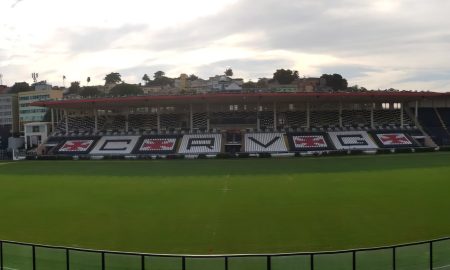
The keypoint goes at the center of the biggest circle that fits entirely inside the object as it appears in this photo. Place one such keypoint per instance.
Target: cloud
(16, 2)
(373, 43)
(96, 39)
(246, 68)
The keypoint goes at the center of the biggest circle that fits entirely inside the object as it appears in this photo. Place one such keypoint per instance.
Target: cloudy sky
(403, 44)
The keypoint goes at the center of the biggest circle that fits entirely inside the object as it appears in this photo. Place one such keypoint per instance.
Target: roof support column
(158, 121)
(340, 114)
(52, 111)
(207, 118)
(308, 116)
(275, 116)
(258, 124)
(416, 110)
(372, 122)
(126, 120)
(402, 118)
(67, 121)
(191, 119)
(95, 120)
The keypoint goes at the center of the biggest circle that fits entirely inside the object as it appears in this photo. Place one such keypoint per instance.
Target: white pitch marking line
(9, 268)
(442, 267)
(226, 189)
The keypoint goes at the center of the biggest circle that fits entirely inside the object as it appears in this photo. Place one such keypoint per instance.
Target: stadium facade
(247, 122)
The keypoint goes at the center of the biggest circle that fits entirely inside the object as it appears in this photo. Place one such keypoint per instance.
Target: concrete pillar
(416, 110)
(158, 120)
(126, 120)
(67, 121)
(191, 118)
(258, 124)
(207, 118)
(372, 121)
(275, 116)
(53, 119)
(95, 121)
(308, 116)
(402, 119)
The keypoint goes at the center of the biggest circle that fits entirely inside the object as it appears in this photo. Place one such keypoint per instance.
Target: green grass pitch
(227, 206)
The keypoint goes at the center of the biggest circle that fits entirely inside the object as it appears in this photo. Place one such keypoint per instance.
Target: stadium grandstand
(251, 123)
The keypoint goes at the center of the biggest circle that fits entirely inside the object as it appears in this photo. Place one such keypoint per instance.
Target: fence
(434, 254)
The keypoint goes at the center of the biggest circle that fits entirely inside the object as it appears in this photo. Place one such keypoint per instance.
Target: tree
(356, 88)
(74, 88)
(193, 77)
(90, 91)
(335, 81)
(261, 83)
(88, 80)
(159, 74)
(125, 89)
(229, 72)
(249, 85)
(113, 78)
(161, 80)
(146, 79)
(64, 81)
(285, 76)
(20, 87)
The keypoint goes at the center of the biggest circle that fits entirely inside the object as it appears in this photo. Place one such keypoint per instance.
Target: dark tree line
(336, 82)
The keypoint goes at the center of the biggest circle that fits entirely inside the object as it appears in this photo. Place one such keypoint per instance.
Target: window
(36, 129)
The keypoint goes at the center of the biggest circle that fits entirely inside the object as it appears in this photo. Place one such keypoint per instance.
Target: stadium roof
(230, 98)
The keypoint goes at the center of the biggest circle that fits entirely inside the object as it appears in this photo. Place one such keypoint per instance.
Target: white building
(36, 134)
(224, 83)
(28, 113)
(9, 114)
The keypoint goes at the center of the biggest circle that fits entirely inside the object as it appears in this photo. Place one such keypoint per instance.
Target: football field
(227, 206)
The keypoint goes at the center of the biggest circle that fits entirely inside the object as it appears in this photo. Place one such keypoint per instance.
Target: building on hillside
(182, 83)
(158, 89)
(3, 89)
(9, 113)
(308, 84)
(107, 87)
(198, 86)
(29, 113)
(224, 83)
(41, 86)
(274, 86)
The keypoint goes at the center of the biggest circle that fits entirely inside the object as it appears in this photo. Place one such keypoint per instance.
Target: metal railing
(433, 254)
